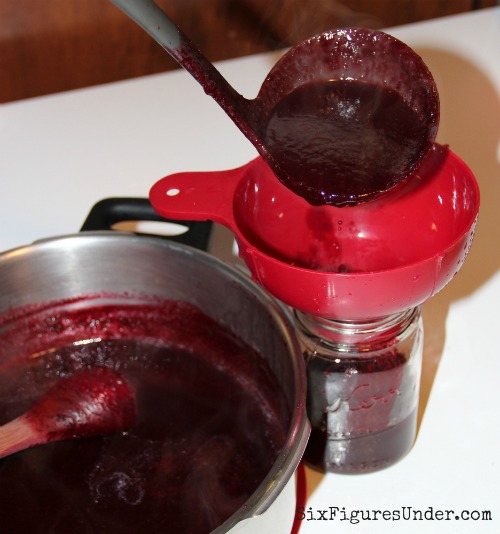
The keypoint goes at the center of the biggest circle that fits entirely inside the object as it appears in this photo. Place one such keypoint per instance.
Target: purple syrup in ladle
(341, 141)
(342, 118)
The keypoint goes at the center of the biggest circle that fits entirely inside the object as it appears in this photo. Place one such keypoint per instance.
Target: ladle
(342, 118)
(90, 403)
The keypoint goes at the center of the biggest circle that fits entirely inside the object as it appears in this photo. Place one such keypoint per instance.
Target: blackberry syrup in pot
(192, 459)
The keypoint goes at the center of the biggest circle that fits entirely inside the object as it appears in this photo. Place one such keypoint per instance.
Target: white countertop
(62, 153)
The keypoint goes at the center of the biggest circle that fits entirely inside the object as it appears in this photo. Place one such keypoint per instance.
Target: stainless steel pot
(93, 263)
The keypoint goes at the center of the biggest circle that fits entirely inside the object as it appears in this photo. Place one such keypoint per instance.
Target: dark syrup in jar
(361, 430)
(211, 422)
(363, 384)
(342, 142)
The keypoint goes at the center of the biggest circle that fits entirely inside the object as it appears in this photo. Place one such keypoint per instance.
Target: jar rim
(366, 335)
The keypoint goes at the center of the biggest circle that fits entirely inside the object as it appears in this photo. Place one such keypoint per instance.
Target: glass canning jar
(363, 388)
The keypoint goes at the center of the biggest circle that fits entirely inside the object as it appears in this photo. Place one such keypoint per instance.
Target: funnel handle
(198, 196)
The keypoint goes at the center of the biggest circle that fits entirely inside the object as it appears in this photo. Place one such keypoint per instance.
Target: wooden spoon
(89, 403)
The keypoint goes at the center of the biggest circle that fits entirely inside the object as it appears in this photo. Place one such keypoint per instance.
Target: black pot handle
(110, 211)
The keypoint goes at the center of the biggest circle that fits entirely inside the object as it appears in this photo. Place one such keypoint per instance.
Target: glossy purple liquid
(211, 422)
(358, 413)
(361, 454)
(343, 142)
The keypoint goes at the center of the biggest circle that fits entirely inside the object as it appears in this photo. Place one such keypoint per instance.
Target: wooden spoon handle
(89, 403)
(16, 436)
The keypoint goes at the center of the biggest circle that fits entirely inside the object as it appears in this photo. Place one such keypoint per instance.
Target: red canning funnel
(364, 261)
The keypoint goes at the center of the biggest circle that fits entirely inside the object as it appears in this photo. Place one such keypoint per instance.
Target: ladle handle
(148, 15)
(154, 21)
